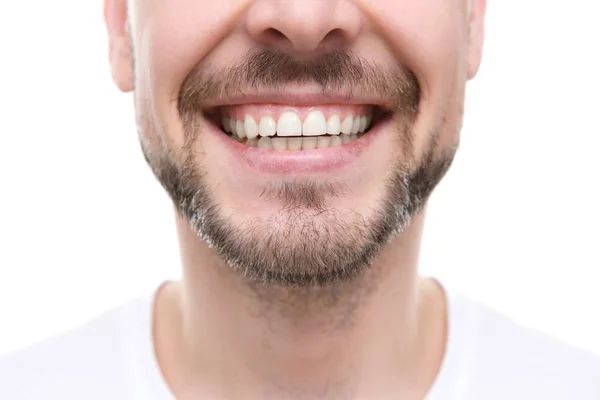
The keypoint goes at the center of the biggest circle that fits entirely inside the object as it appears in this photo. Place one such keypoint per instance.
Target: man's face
(298, 137)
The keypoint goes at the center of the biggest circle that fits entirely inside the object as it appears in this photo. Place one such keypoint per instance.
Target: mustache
(337, 71)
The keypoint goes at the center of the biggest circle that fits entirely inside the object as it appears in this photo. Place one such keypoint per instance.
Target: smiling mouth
(285, 128)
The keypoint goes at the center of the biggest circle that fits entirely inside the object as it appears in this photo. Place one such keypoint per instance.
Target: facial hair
(294, 248)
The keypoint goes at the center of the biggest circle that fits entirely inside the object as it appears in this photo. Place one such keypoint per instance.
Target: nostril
(334, 38)
(274, 34)
(336, 35)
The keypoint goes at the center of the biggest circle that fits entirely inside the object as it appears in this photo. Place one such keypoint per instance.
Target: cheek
(178, 34)
(171, 38)
(429, 37)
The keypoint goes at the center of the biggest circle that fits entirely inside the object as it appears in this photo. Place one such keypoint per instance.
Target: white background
(515, 224)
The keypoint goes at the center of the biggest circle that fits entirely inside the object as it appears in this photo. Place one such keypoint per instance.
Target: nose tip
(304, 26)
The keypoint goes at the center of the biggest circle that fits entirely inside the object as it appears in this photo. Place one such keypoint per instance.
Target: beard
(305, 243)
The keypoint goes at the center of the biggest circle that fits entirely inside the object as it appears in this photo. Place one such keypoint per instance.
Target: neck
(381, 333)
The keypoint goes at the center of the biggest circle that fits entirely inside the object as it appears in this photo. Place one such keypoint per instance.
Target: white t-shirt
(488, 357)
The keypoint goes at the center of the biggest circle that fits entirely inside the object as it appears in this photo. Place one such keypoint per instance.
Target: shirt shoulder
(492, 357)
(98, 360)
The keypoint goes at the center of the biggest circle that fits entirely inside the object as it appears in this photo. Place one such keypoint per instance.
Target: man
(299, 142)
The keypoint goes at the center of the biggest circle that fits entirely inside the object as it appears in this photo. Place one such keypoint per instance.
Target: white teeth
(239, 128)
(355, 125)
(323, 141)
(335, 141)
(346, 127)
(334, 125)
(294, 144)
(225, 122)
(264, 143)
(289, 124)
(300, 143)
(279, 144)
(363, 124)
(267, 126)
(314, 124)
(250, 127)
(309, 143)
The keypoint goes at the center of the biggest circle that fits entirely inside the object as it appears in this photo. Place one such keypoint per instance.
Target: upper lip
(300, 99)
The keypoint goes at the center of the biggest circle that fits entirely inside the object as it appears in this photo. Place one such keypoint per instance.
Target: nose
(304, 26)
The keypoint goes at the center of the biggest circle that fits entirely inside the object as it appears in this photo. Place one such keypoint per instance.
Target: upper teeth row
(290, 124)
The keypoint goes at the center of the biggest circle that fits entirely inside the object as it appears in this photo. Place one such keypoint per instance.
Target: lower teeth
(297, 143)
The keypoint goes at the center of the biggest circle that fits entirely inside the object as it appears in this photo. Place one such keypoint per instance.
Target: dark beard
(294, 248)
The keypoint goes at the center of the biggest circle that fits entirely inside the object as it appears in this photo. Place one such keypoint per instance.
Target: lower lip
(304, 161)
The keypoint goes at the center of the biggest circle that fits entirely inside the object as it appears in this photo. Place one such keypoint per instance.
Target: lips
(301, 136)
(296, 155)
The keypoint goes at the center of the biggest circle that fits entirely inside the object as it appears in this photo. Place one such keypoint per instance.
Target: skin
(374, 331)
